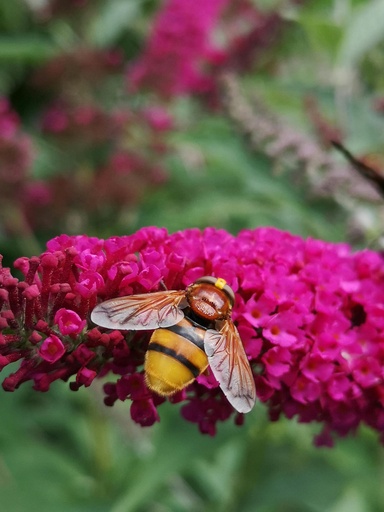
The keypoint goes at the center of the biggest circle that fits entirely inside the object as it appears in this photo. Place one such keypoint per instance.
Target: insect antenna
(363, 169)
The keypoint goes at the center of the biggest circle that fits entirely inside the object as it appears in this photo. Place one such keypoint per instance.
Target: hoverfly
(192, 329)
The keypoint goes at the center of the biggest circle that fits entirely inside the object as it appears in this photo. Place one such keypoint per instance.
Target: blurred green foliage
(66, 452)
(70, 453)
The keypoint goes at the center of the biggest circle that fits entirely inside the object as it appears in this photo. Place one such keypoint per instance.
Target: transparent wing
(139, 312)
(230, 366)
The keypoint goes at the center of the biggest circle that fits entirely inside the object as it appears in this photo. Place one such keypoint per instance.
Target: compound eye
(220, 284)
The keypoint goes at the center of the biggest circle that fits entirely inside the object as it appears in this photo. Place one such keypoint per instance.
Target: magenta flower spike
(310, 315)
(179, 41)
(191, 44)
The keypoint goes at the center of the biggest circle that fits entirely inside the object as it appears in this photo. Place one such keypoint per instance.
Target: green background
(66, 451)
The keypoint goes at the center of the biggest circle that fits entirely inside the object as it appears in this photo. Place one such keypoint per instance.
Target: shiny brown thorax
(208, 301)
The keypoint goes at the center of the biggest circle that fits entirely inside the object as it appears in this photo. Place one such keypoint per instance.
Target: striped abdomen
(175, 357)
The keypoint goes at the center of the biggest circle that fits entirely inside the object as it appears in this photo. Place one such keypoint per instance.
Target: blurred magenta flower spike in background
(182, 56)
(310, 314)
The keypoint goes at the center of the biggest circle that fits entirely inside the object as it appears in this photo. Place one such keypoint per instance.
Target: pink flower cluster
(16, 151)
(310, 314)
(179, 40)
(87, 123)
(16, 158)
(110, 146)
(192, 41)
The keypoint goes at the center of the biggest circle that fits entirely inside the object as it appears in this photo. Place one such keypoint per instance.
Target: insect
(365, 170)
(192, 329)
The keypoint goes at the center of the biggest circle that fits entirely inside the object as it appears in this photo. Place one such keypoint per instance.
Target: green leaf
(176, 443)
(13, 15)
(364, 31)
(25, 49)
(351, 501)
(112, 19)
(322, 34)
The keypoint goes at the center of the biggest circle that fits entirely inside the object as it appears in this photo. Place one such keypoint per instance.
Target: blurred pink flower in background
(16, 149)
(181, 37)
(192, 42)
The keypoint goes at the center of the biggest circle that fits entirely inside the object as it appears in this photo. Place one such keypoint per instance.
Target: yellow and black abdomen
(175, 357)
